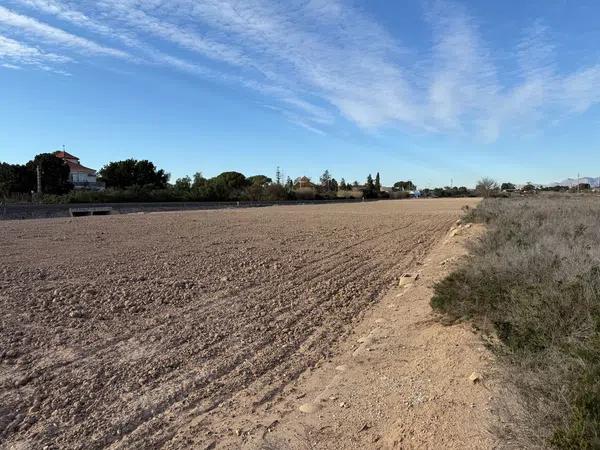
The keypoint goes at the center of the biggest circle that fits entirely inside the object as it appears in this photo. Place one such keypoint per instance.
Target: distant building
(303, 182)
(82, 177)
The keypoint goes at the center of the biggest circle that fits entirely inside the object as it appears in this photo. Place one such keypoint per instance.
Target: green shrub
(534, 280)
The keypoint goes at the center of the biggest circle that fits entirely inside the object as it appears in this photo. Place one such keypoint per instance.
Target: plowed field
(129, 331)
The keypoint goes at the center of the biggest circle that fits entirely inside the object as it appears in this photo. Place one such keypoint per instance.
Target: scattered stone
(475, 377)
(341, 368)
(309, 408)
(365, 427)
(405, 281)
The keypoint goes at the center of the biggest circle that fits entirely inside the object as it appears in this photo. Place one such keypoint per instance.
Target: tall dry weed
(533, 280)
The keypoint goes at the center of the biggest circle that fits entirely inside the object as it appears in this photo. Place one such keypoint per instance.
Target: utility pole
(39, 178)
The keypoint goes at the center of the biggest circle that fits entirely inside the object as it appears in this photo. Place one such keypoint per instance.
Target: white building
(82, 177)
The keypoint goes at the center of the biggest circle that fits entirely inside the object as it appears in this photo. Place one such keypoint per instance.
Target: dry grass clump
(534, 281)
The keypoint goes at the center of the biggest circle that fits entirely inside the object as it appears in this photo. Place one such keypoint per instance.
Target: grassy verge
(533, 281)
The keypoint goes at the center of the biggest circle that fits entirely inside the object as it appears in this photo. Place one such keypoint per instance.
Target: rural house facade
(82, 177)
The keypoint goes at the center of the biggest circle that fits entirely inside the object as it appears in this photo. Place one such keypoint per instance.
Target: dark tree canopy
(584, 186)
(325, 180)
(183, 184)
(507, 187)
(199, 181)
(230, 180)
(289, 184)
(55, 174)
(377, 183)
(404, 186)
(131, 172)
(529, 187)
(18, 178)
(333, 185)
(260, 180)
(369, 189)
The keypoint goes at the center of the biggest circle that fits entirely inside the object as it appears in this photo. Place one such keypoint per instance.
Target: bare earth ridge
(211, 328)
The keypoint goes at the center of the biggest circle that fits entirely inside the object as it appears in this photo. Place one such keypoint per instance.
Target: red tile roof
(75, 167)
(73, 162)
(64, 155)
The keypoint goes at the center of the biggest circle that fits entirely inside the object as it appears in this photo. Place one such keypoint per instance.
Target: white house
(82, 177)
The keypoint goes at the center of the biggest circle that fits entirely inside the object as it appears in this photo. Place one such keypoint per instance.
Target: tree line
(142, 180)
(22, 178)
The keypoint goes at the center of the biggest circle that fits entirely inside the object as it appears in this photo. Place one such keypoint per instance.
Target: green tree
(227, 186)
(130, 172)
(7, 179)
(377, 185)
(289, 185)
(326, 180)
(231, 180)
(404, 186)
(199, 181)
(183, 184)
(333, 185)
(260, 180)
(584, 186)
(507, 187)
(369, 189)
(15, 178)
(55, 174)
(274, 192)
(343, 186)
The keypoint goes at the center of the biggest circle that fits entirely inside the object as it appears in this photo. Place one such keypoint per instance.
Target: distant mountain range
(592, 181)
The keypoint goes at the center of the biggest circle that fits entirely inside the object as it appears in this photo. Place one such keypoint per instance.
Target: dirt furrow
(128, 331)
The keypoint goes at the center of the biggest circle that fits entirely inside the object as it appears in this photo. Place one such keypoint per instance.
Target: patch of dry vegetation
(533, 280)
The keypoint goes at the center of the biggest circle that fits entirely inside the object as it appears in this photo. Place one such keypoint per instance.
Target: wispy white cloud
(14, 55)
(32, 27)
(325, 60)
(463, 80)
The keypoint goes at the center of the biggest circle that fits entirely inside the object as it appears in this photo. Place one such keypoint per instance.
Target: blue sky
(423, 90)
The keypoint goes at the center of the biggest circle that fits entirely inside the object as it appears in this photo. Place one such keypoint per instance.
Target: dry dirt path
(192, 329)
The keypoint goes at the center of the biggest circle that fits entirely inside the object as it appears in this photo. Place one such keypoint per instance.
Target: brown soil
(212, 328)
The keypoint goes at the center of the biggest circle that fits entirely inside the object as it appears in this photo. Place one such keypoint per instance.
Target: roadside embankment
(532, 285)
